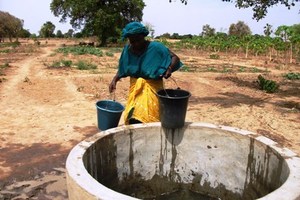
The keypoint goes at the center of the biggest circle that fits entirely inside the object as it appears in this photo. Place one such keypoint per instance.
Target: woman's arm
(113, 84)
(174, 61)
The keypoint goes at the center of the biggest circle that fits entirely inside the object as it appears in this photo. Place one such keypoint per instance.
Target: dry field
(45, 111)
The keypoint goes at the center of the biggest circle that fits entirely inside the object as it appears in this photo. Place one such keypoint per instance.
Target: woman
(146, 63)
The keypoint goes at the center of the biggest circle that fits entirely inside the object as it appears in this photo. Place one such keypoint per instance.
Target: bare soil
(46, 111)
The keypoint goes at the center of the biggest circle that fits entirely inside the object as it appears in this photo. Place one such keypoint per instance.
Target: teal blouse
(150, 65)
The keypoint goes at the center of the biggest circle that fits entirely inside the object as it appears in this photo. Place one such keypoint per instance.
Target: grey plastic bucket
(172, 107)
(108, 114)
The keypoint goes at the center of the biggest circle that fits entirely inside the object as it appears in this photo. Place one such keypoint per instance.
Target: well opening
(198, 161)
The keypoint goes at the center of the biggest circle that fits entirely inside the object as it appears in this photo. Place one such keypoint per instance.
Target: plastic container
(108, 114)
(172, 107)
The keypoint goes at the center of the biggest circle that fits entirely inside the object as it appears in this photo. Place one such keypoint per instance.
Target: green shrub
(256, 70)
(5, 65)
(5, 51)
(67, 63)
(269, 86)
(292, 76)
(81, 65)
(214, 56)
(61, 63)
(10, 44)
(242, 69)
(110, 54)
(212, 69)
(80, 50)
(2, 67)
(226, 70)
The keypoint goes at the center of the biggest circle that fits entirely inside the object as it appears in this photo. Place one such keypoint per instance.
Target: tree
(268, 30)
(295, 39)
(175, 36)
(284, 32)
(207, 31)
(296, 29)
(10, 26)
(165, 35)
(259, 8)
(24, 33)
(103, 19)
(70, 33)
(240, 29)
(47, 30)
(243, 32)
(59, 34)
(291, 37)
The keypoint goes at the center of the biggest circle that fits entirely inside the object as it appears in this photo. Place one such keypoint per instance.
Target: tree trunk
(103, 41)
(291, 53)
(247, 49)
(270, 54)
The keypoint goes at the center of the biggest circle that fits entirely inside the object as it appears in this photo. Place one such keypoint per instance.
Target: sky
(165, 17)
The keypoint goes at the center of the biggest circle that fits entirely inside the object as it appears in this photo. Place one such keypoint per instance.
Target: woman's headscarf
(134, 28)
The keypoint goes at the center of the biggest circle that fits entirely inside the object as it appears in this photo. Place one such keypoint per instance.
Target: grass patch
(5, 51)
(292, 76)
(214, 56)
(10, 44)
(115, 50)
(82, 65)
(256, 70)
(80, 50)
(109, 54)
(226, 70)
(212, 69)
(61, 64)
(184, 68)
(242, 69)
(3, 67)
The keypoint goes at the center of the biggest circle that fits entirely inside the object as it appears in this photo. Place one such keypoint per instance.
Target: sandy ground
(46, 111)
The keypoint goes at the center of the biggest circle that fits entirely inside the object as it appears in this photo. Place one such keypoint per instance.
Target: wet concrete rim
(288, 191)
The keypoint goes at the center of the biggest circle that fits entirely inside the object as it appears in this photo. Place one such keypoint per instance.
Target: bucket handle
(178, 88)
(112, 96)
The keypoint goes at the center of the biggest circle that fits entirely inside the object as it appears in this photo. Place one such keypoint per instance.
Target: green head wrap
(134, 28)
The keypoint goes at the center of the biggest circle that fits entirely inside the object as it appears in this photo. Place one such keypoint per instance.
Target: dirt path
(45, 112)
(42, 117)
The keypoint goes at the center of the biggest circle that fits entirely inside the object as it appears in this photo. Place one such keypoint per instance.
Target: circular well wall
(146, 161)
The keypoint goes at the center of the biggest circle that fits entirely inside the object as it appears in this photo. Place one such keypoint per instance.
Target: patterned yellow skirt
(142, 101)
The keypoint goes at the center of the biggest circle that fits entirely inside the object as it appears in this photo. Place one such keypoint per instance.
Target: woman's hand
(174, 61)
(168, 73)
(113, 85)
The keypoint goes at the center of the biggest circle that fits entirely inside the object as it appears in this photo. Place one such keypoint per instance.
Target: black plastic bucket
(108, 114)
(172, 107)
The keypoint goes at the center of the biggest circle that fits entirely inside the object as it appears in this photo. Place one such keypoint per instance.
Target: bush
(292, 76)
(214, 56)
(81, 65)
(269, 86)
(3, 67)
(81, 50)
(62, 63)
